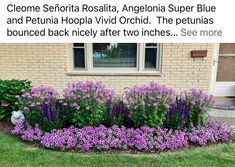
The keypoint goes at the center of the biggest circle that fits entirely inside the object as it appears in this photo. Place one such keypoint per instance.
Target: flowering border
(102, 138)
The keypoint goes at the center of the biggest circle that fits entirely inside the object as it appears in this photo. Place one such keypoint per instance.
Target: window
(79, 55)
(114, 55)
(150, 55)
(126, 58)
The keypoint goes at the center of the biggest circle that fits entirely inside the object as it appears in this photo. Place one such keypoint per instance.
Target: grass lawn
(16, 153)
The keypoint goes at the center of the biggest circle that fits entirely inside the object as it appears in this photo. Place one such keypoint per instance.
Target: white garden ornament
(17, 117)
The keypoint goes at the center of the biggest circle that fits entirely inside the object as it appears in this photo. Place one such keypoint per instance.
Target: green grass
(16, 153)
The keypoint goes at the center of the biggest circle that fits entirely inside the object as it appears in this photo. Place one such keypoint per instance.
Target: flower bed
(147, 118)
(91, 104)
(223, 107)
(145, 138)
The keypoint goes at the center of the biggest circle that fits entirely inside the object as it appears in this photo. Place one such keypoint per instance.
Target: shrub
(199, 103)
(149, 104)
(86, 103)
(40, 107)
(9, 90)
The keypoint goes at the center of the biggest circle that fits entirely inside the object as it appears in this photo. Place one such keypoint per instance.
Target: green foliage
(149, 104)
(35, 116)
(91, 104)
(9, 89)
(40, 105)
(178, 115)
(85, 103)
(150, 116)
(200, 103)
(89, 114)
(197, 116)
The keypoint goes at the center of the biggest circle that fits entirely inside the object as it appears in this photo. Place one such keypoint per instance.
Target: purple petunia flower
(143, 138)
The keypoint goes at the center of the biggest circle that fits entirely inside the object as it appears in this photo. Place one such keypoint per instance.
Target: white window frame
(138, 70)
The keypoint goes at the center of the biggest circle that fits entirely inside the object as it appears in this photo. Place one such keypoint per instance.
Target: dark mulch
(6, 127)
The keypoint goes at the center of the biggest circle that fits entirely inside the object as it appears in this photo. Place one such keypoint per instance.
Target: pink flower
(167, 106)
(32, 105)
(74, 104)
(60, 101)
(155, 104)
(5, 105)
(142, 103)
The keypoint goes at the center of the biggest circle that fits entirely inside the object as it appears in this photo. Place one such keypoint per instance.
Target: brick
(48, 64)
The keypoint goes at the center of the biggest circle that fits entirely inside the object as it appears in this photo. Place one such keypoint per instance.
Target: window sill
(114, 73)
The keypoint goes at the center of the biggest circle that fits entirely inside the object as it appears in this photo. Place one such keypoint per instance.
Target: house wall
(49, 63)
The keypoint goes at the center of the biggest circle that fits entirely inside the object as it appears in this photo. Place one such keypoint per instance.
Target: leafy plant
(199, 102)
(189, 109)
(178, 115)
(9, 91)
(40, 107)
(149, 104)
(86, 103)
(91, 104)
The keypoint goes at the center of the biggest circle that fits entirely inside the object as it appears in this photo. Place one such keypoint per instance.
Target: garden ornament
(17, 117)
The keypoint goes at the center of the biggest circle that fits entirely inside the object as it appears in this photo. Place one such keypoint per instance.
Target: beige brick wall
(48, 64)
